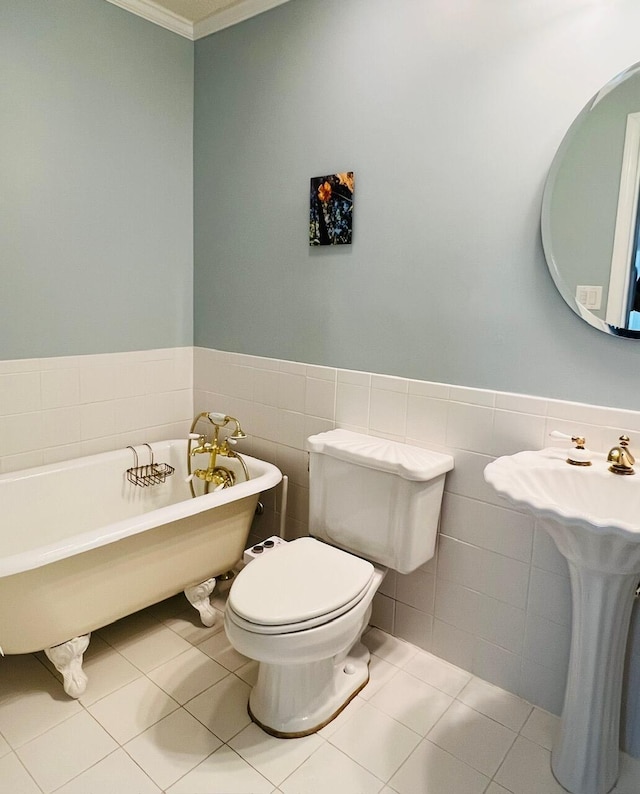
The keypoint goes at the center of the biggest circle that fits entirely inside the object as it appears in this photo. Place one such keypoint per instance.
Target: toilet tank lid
(404, 460)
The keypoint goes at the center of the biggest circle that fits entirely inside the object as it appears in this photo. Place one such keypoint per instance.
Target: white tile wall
(56, 409)
(496, 600)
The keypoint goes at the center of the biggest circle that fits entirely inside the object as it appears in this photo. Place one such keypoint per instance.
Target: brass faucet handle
(578, 456)
(621, 458)
(624, 443)
(579, 441)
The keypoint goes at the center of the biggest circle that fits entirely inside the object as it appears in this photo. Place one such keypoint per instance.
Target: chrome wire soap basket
(149, 473)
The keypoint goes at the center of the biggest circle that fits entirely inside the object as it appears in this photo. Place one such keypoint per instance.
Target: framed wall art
(331, 209)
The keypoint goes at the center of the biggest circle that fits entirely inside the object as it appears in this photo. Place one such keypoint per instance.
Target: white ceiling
(196, 18)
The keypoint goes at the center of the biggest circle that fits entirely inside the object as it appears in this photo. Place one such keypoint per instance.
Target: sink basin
(593, 516)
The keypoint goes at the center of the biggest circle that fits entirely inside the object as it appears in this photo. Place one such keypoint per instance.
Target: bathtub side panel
(49, 605)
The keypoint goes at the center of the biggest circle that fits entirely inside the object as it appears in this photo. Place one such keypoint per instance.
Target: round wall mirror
(590, 218)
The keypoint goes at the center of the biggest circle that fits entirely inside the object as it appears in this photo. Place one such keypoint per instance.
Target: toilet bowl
(301, 609)
(301, 613)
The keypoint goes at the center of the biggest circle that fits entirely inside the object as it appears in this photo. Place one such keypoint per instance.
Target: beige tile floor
(165, 711)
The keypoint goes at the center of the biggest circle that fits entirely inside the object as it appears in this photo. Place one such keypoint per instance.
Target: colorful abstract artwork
(331, 209)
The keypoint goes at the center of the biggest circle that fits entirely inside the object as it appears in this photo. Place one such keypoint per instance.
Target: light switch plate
(589, 296)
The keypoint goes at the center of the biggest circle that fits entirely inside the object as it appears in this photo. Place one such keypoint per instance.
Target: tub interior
(48, 504)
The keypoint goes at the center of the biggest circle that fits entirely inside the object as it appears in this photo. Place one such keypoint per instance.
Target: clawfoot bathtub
(81, 547)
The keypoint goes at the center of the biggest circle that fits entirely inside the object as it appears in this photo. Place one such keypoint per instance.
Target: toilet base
(294, 700)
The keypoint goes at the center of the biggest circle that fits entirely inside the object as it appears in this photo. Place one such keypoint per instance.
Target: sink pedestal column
(630, 723)
(585, 756)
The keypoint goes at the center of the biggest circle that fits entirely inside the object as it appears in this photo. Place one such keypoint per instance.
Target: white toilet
(301, 609)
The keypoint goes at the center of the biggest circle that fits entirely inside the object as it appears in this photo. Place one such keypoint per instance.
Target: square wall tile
(383, 613)
(354, 377)
(497, 665)
(522, 403)
(319, 372)
(494, 528)
(425, 388)
(427, 419)
(550, 596)
(98, 383)
(470, 427)
(417, 589)
(388, 412)
(389, 383)
(452, 644)
(21, 433)
(352, 404)
(320, 398)
(471, 396)
(467, 478)
(547, 643)
(542, 686)
(60, 387)
(20, 393)
(413, 626)
(288, 429)
(493, 574)
(266, 386)
(513, 432)
(546, 554)
(291, 392)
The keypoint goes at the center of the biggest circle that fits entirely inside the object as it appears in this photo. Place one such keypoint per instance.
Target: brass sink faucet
(621, 458)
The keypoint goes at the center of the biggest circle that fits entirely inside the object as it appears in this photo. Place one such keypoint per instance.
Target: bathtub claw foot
(198, 597)
(67, 659)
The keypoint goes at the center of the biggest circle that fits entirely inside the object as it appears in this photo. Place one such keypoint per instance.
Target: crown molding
(153, 12)
(232, 16)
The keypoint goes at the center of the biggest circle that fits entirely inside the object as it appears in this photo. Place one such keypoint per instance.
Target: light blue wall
(96, 212)
(450, 114)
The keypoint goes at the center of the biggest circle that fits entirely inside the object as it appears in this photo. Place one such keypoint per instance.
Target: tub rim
(264, 475)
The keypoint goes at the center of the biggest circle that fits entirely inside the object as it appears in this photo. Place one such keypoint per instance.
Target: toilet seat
(297, 586)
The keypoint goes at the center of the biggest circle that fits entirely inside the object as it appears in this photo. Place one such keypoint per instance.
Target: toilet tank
(376, 498)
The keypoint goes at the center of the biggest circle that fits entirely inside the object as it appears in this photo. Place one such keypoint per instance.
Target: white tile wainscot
(59, 408)
(495, 600)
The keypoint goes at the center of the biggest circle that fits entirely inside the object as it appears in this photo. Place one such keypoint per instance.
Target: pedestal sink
(593, 516)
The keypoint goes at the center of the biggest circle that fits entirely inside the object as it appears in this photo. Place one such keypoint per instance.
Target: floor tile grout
(387, 648)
